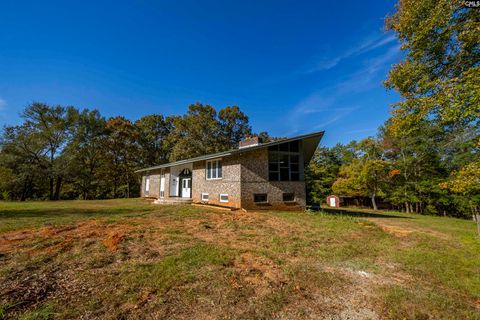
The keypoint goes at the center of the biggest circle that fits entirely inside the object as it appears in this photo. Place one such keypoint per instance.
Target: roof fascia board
(234, 151)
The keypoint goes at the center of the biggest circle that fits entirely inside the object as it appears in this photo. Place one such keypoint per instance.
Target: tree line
(426, 157)
(67, 153)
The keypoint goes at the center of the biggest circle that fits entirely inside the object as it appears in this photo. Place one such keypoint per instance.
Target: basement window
(223, 197)
(288, 197)
(260, 198)
(204, 197)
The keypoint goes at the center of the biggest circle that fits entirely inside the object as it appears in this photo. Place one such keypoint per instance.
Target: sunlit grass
(186, 258)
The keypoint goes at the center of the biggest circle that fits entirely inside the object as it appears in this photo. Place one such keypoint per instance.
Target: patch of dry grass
(122, 259)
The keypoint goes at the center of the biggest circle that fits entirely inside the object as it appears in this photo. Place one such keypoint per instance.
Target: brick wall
(154, 191)
(254, 173)
(251, 168)
(229, 184)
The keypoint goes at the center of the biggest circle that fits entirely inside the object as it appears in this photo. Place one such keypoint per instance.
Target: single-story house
(254, 176)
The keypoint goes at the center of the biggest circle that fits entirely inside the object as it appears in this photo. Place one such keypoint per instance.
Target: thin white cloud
(336, 117)
(328, 62)
(328, 100)
(377, 43)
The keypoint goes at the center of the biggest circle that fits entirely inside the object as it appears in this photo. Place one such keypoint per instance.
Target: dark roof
(309, 149)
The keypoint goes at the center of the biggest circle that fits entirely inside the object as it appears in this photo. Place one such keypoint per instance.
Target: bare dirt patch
(397, 231)
(258, 271)
(112, 241)
(403, 229)
(203, 265)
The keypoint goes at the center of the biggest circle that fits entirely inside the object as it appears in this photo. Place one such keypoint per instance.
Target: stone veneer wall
(155, 184)
(251, 168)
(229, 184)
(254, 173)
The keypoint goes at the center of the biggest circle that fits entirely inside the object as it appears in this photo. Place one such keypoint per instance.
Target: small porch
(179, 184)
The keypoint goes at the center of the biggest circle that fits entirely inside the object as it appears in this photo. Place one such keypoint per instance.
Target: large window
(214, 169)
(284, 163)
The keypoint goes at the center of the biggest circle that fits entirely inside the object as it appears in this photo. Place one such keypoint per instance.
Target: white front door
(186, 188)
(162, 184)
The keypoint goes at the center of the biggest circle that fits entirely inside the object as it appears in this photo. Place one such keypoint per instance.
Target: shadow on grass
(359, 214)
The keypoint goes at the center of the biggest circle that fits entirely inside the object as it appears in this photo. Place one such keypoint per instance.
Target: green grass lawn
(117, 259)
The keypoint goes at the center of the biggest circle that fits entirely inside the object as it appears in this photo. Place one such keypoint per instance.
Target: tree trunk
(128, 186)
(50, 196)
(374, 203)
(58, 186)
(476, 217)
(23, 195)
(115, 188)
(407, 208)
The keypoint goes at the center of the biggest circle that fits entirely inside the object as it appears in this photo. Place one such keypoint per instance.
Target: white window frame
(147, 184)
(223, 195)
(162, 175)
(216, 161)
(203, 195)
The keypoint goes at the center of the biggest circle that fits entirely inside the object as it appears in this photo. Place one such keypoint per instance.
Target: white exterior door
(333, 202)
(162, 184)
(186, 188)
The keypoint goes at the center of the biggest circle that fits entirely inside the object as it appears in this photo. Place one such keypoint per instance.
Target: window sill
(213, 179)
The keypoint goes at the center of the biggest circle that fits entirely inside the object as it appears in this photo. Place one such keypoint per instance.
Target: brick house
(254, 176)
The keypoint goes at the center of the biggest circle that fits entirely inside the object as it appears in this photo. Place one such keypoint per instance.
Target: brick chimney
(249, 141)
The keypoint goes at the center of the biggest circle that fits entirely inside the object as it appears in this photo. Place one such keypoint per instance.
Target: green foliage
(438, 81)
(201, 131)
(153, 139)
(426, 155)
(324, 168)
(321, 173)
(365, 175)
(439, 76)
(63, 152)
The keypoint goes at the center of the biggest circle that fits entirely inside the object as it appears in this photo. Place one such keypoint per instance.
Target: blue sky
(293, 66)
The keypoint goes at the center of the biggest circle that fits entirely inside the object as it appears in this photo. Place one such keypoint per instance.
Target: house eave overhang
(310, 143)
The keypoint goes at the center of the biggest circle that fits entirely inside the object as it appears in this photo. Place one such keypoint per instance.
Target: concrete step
(173, 201)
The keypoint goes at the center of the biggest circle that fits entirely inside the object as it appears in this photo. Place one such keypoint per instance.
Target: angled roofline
(318, 135)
